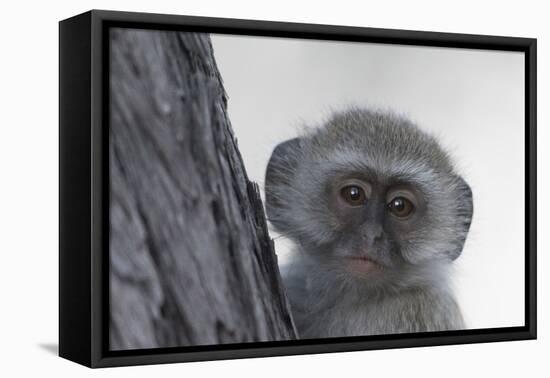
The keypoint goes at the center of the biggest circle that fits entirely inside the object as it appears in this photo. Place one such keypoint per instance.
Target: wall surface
(28, 196)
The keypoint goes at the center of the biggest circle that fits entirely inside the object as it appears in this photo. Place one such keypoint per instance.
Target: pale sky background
(473, 100)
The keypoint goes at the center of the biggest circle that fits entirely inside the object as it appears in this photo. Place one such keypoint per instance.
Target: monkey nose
(373, 233)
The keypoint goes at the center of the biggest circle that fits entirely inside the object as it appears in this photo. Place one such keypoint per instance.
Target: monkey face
(369, 194)
(373, 217)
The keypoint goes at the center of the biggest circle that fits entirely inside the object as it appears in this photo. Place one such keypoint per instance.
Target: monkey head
(369, 196)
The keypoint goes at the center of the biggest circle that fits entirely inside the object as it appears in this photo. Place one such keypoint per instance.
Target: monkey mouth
(363, 264)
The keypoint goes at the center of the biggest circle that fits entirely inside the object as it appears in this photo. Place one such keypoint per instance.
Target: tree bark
(191, 261)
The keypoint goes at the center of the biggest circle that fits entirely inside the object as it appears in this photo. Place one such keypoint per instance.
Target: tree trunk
(191, 261)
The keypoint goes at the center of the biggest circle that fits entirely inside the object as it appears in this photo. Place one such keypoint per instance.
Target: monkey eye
(353, 195)
(401, 207)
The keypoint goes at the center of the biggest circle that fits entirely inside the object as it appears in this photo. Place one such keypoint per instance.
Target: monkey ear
(465, 212)
(278, 181)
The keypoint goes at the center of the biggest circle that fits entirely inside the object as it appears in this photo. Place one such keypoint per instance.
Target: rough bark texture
(191, 261)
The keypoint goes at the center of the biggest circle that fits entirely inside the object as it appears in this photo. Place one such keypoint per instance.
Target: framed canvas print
(235, 188)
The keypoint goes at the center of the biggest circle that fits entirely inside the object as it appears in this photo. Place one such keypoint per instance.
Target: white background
(29, 161)
(472, 100)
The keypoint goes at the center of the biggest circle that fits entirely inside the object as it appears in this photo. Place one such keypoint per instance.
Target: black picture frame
(84, 185)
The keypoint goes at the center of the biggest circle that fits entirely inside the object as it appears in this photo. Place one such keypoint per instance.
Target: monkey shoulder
(419, 310)
(310, 297)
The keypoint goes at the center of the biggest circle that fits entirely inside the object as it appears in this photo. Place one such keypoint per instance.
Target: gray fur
(410, 292)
